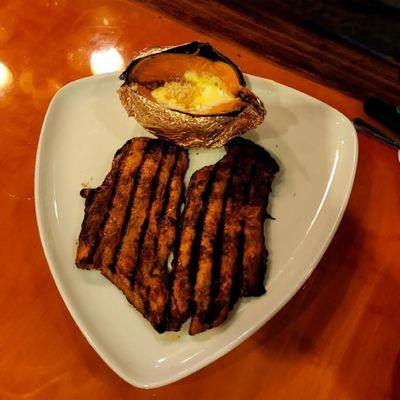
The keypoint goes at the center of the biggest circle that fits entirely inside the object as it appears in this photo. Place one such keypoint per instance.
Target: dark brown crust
(255, 252)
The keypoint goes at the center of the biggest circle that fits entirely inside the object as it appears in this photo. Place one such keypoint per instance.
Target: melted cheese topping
(194, 93)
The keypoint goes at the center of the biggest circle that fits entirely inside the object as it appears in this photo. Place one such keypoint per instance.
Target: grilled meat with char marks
(130, 223)
(221, 253)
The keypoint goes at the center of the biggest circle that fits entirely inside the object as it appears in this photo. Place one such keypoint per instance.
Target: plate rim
(74, 312)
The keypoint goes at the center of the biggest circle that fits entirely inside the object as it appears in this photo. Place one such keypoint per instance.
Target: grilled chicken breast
(221, 253)
(130, 223)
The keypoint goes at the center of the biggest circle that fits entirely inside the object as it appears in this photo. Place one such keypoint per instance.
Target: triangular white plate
(316, 147)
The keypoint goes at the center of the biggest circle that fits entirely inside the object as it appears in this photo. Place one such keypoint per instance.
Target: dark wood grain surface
(269, 30)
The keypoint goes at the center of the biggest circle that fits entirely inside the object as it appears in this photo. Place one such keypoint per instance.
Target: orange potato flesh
(231, 106)
(169, 67)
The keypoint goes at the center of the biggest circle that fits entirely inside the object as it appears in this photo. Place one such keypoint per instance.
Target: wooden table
(339, 337)
(274, 30)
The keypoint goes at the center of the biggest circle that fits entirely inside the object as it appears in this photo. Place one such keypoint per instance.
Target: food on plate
(131, 220)
(221, 253)
(97, 204)
(132, 223)
(190, 94)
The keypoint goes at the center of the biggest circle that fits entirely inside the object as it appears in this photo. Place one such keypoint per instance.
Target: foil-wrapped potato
(190, 94)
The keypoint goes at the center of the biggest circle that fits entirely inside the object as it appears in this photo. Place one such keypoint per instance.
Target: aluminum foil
(184, 129)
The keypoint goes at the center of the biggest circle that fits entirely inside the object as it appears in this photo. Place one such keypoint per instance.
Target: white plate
(316, 147)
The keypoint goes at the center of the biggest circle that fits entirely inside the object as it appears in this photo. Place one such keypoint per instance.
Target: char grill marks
(97, 204)
(184, 264)
(138, 230)
(232, 246)
(254, 250)
(221, 253)
(210, 244)
(125, 189)
(131, 226)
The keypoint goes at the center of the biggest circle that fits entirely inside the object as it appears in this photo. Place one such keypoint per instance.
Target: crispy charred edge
(95, 205)
(256, 212)
(248, 148)
(202, 49)
(238, 275)
(247, 290)
(174, 322)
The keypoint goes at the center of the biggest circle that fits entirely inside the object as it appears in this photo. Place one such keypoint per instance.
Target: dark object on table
(383, 112)
(364, 127)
